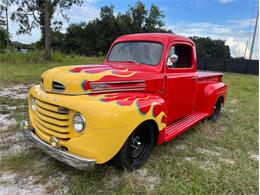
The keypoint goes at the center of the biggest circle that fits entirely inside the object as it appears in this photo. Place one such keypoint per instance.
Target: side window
(180, 56)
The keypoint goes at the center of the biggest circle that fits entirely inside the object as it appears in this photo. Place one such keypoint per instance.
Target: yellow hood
(76, 80)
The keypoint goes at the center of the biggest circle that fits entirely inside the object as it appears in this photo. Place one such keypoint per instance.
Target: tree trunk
(47, 28)
(7, 24)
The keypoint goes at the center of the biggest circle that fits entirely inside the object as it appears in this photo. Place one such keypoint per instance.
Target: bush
(16, 57)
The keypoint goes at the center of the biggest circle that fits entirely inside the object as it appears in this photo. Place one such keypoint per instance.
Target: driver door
(181, 82)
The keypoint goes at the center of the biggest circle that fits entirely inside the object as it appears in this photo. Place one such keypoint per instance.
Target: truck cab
(146, 92)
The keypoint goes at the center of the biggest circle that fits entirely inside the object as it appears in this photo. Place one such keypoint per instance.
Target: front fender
(110, 119)
(129, 110)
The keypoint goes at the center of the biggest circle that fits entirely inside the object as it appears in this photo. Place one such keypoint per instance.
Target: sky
(230, 20)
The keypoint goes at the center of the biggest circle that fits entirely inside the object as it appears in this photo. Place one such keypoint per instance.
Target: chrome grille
(57, 86)
(50, 121)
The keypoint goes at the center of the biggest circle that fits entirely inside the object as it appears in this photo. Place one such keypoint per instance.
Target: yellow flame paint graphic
(100, 75)
(134, 114)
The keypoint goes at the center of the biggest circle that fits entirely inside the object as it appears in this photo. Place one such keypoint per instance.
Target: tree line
(93, 37)
(206, 47)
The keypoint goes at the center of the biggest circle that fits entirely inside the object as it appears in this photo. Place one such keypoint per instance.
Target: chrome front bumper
(65, 157)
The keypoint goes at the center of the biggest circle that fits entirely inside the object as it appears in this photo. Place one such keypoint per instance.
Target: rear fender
(208, 97)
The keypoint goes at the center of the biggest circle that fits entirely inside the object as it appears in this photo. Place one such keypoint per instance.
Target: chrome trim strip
(117, 88)
(118, 82)
(62, 156)
(95, 92)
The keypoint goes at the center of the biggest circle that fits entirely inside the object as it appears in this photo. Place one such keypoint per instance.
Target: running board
(183, 124)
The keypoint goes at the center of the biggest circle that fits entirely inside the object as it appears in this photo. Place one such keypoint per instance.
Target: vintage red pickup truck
(146, 92)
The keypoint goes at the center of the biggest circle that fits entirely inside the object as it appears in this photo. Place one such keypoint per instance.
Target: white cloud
(237, 29)
(237, 48)
(225, 1)
(207, 3)
(201, 3)
(77, 14)
(84, 13)
(242, 23)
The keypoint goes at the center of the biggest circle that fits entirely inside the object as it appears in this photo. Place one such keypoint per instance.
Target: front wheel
(136, 149)
(216, 112)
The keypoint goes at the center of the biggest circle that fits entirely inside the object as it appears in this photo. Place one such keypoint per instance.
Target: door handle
(194, 78)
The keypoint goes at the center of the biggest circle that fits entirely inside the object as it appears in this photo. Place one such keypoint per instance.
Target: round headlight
(78, 122)
(33, 104)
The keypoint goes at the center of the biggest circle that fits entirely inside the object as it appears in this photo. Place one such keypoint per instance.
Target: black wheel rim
(217, 109)
(138, 145)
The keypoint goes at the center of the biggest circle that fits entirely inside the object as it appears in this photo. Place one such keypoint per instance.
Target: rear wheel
(216, 112)
(136, 149)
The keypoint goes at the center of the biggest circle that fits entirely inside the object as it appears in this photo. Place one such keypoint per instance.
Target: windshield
(137, 52)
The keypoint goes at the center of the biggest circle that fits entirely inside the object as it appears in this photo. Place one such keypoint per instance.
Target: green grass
(27, 68)
(210, 158)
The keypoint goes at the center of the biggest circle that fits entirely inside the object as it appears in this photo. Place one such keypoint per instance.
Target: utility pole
(246, 49)
(253, 41)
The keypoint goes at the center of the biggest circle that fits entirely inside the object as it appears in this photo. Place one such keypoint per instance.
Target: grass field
(210, 158)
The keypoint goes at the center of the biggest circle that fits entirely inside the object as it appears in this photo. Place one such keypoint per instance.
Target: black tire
(216, 111)
(136, 149)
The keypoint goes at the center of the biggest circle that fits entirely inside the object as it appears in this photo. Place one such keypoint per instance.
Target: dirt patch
(190, 159)
(15, 92)
(11, 183)
(6, 109)
(6, 121)
(254, 157)
(208, 165)
(233, 101)
(220, 149)
(12, 143)
(227, 161)
(229, 110)
(208, 152)
(205, 165)
(113, 181)
(181, 147)
(142, 177)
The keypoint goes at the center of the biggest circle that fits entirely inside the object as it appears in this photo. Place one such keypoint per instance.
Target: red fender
(209, 95)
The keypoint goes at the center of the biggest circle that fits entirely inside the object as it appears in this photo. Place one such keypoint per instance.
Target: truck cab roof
(160, 37)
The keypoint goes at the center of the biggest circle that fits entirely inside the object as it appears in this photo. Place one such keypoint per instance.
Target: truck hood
(87, 79)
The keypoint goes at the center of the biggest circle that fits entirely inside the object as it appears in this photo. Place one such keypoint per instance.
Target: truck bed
(203, 74)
